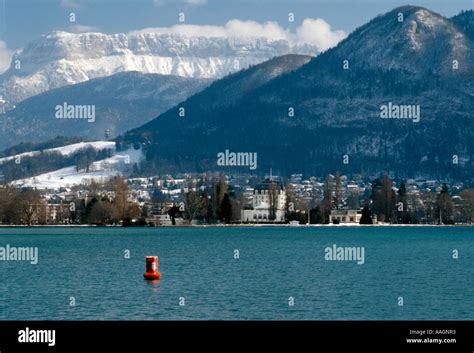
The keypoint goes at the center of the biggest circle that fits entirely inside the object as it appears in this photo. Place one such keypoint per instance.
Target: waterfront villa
(268, 203)
(345, 216)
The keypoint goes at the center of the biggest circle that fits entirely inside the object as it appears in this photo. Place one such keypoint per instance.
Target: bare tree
(120, 200)
(468, 205)
(28, 204)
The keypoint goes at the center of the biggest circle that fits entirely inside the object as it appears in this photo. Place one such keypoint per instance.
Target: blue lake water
(275, 263)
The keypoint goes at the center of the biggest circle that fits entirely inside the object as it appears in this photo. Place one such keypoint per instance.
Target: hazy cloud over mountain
(315, 32)
(5, 56)
(82, 29)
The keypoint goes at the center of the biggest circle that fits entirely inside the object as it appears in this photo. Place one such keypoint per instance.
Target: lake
(240, 273)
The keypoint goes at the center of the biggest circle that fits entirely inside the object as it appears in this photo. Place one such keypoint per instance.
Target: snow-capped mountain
(60, 58)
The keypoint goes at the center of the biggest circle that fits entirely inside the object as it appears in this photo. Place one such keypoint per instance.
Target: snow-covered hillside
(99, 171)
(64, 150)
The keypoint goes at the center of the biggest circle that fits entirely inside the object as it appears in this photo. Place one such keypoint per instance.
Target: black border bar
(228, 335)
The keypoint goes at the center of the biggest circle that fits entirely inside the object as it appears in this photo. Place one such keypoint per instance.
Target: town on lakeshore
(240, 199)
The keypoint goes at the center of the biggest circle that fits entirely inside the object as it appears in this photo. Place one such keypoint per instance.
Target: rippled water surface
(276, 263)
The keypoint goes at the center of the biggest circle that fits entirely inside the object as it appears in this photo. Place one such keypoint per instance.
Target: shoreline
(346, 225)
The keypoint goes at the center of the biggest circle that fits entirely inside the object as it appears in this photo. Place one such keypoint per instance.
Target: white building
(265, 195)
(164, 220)
(345, 216)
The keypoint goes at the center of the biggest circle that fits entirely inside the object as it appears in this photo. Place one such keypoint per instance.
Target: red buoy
(152, 272)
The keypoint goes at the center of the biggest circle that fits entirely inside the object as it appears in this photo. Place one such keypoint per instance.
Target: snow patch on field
(99, 171)
(65, 150)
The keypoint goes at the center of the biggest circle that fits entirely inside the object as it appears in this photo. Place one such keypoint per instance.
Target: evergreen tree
(403, 215)
(444, 206)
(375, 196)
(402, 195)
(301, 217)
(366, 215)
(226, 209)
(388, 198)
(210, 213)
(215, 197)
(317, 215)
(338, 192)
(383, 198)
(173, 213)
(273, 198)
(101, 212)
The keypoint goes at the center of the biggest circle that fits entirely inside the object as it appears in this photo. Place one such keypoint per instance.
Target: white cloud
(271, 30)
(159, 3)
(316, 32)
(82, 29)
(5, 57)
(72, 4)
(196, 2)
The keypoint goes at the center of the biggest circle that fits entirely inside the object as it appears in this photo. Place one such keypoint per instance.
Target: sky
(327, 21)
